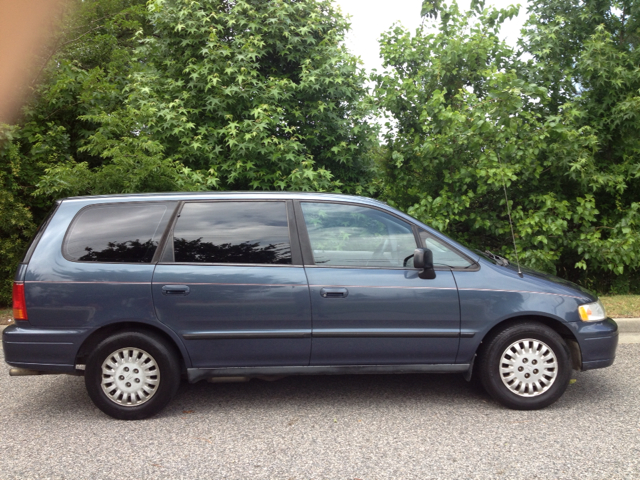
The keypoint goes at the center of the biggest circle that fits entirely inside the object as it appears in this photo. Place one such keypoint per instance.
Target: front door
(369, 304)
(232, 285)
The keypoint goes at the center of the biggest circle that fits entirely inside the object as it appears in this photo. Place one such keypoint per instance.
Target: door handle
(334, 292)
(175, 290)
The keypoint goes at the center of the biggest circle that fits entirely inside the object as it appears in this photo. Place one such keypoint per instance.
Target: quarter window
(115, 233)
(354, 236)
(443, 256)
(232, 232)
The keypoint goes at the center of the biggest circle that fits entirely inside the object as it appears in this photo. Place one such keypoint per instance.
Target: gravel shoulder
(351, 427)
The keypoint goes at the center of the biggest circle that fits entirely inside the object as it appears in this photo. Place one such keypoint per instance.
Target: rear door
(231, 283)
(369, 304)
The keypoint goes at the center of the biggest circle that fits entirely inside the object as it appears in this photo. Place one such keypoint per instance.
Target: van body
(243, 285)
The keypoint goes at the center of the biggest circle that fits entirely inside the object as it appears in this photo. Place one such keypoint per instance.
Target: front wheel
(132, 375)
(526, 366)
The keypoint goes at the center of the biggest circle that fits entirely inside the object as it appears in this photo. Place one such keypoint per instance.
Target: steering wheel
(377, 254)
(404, 262)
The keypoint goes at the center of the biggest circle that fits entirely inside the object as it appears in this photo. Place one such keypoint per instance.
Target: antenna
(513, 236)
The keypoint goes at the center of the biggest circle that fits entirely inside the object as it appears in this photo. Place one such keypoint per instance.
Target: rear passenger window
(115, 233)
(232, 232)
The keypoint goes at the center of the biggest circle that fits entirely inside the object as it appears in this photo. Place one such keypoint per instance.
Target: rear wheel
(526, 366)
(132, 375)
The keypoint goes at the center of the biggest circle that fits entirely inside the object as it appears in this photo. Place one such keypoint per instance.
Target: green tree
(468, 116)
(260, 95)
(182, 95)
(586, 55)
(232, 95)
(85, 74)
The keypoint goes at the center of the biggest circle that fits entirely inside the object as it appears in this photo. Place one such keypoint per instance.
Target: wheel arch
(92, 341)
(556, 325)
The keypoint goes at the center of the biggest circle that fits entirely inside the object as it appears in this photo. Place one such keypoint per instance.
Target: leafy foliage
(84, 76)
(469, 116)
(229, 95)
(186, 95)
(16, 219)
(263, 95)
(248, 94)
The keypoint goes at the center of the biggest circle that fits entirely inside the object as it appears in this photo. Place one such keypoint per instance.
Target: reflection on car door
(232, 285)
(368, 308)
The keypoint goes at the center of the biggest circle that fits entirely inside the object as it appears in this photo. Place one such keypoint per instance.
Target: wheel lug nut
(519, 369)
(534, 362)
(138, 380)
(535, 371)
(524, 360)
(526, 375)
(126, 369)
(135, 370)
(128, 384)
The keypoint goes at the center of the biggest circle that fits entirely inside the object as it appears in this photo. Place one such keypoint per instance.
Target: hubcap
(130, 377)
(528, 367)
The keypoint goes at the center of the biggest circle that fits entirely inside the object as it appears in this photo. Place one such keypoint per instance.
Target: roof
(215, 195)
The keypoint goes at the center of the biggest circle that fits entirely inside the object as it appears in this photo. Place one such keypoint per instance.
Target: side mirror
(423, 258)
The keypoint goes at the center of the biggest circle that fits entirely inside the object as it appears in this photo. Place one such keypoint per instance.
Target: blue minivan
(136, 292)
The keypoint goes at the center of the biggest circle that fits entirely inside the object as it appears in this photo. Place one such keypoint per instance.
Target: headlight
(592, 312)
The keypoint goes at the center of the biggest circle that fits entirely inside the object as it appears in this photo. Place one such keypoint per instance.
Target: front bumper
(598, 343)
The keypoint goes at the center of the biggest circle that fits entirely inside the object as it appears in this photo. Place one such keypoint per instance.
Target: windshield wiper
(503, 262)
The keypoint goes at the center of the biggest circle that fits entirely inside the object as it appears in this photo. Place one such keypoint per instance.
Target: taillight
(19, 303)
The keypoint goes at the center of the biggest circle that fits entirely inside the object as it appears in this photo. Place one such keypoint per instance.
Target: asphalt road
(351, 427)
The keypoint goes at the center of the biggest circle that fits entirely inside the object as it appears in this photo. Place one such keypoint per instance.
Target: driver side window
(354, 236)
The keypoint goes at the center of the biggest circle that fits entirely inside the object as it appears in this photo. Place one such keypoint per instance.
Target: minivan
(137, 292)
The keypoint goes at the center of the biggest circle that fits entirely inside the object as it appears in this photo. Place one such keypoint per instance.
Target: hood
(530, 272)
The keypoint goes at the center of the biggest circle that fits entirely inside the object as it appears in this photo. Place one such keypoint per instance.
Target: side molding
(197, 374)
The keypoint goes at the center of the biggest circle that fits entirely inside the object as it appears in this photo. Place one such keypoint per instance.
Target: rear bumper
(598, 343)
(45, 350)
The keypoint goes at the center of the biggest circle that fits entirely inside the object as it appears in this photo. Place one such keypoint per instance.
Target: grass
(619, 306)
(6, 315)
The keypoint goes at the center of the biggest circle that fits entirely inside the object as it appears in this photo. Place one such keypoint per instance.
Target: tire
(132, 375)
(507, 366)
